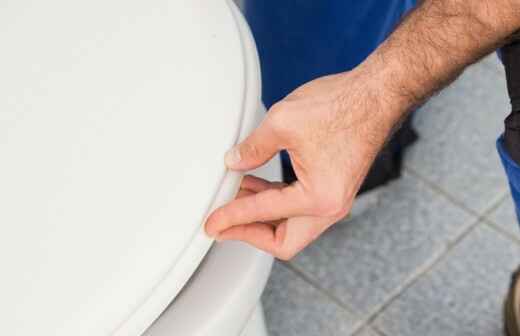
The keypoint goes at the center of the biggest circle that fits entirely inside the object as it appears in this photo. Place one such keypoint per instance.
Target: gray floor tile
(504, 216)
(493, 62)
(364, 261)
(458, 130)
(295, 308)
(367, 332)
(462, 295)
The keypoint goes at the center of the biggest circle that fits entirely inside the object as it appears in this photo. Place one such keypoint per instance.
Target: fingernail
(233, 157)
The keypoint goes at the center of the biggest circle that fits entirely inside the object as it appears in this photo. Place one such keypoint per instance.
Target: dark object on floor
(511, 59)
(512, 307)
(386, 167)
(388, 164)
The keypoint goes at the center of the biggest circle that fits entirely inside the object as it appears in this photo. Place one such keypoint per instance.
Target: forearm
(434, 44)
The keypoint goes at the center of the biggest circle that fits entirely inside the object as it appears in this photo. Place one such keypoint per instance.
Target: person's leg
(512, 302)
(299, 41)
(508, 146)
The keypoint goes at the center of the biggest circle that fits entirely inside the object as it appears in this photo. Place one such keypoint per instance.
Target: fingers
(283, 239)
(258, 184)
(264, 236)
(258, 148)
(268, 205)
(300, 232)
(244, 192)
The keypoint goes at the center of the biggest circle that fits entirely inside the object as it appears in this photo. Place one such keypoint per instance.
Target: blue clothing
(513, 174)
(301, 40)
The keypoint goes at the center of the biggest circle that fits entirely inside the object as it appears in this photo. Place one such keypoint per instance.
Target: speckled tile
(493, 62)
(295, 308)
(367, 332)
(504, 217)
(458, 130)
(462, 295)
(364, 261)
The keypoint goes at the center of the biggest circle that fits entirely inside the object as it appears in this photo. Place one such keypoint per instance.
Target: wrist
(385, 80)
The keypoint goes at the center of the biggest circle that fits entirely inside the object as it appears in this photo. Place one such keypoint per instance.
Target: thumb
(258, 148)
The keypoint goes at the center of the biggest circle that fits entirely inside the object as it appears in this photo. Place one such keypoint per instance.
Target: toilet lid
(114, 120)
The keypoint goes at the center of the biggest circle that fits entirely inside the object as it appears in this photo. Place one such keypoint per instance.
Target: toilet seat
(222, 296)
(105, 180)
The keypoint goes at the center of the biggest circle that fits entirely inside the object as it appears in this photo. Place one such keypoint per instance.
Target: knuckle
(277, 109)
(283, 251)
(285, 255)
(286, 252)
(276, 119)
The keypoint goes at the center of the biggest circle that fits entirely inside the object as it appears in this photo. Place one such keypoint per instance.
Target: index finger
(268, 205)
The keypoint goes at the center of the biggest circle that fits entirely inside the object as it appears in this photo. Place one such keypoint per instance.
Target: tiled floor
(435, 255)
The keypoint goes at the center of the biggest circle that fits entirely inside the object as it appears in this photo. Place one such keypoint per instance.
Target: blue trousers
(301, 40)
(513, 174)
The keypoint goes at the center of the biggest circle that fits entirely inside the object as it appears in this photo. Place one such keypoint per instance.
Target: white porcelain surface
(222, 297)
(256, 324)
(114, 119)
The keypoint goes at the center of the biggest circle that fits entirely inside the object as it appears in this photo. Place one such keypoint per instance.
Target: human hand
(332, 128)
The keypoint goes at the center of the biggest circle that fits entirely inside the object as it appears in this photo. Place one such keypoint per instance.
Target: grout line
(503, 232)
(378, 331)
(440, 191)
(320, 289)
(422, 271)
(419, 271)
(428, 266)
(480, 219)
(372, 330)
(495, 202)
(495, 226)
(357, 326)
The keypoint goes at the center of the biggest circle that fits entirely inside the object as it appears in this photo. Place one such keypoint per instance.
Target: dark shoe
(512, 307)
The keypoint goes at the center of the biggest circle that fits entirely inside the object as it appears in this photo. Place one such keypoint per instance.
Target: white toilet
(114, 120)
